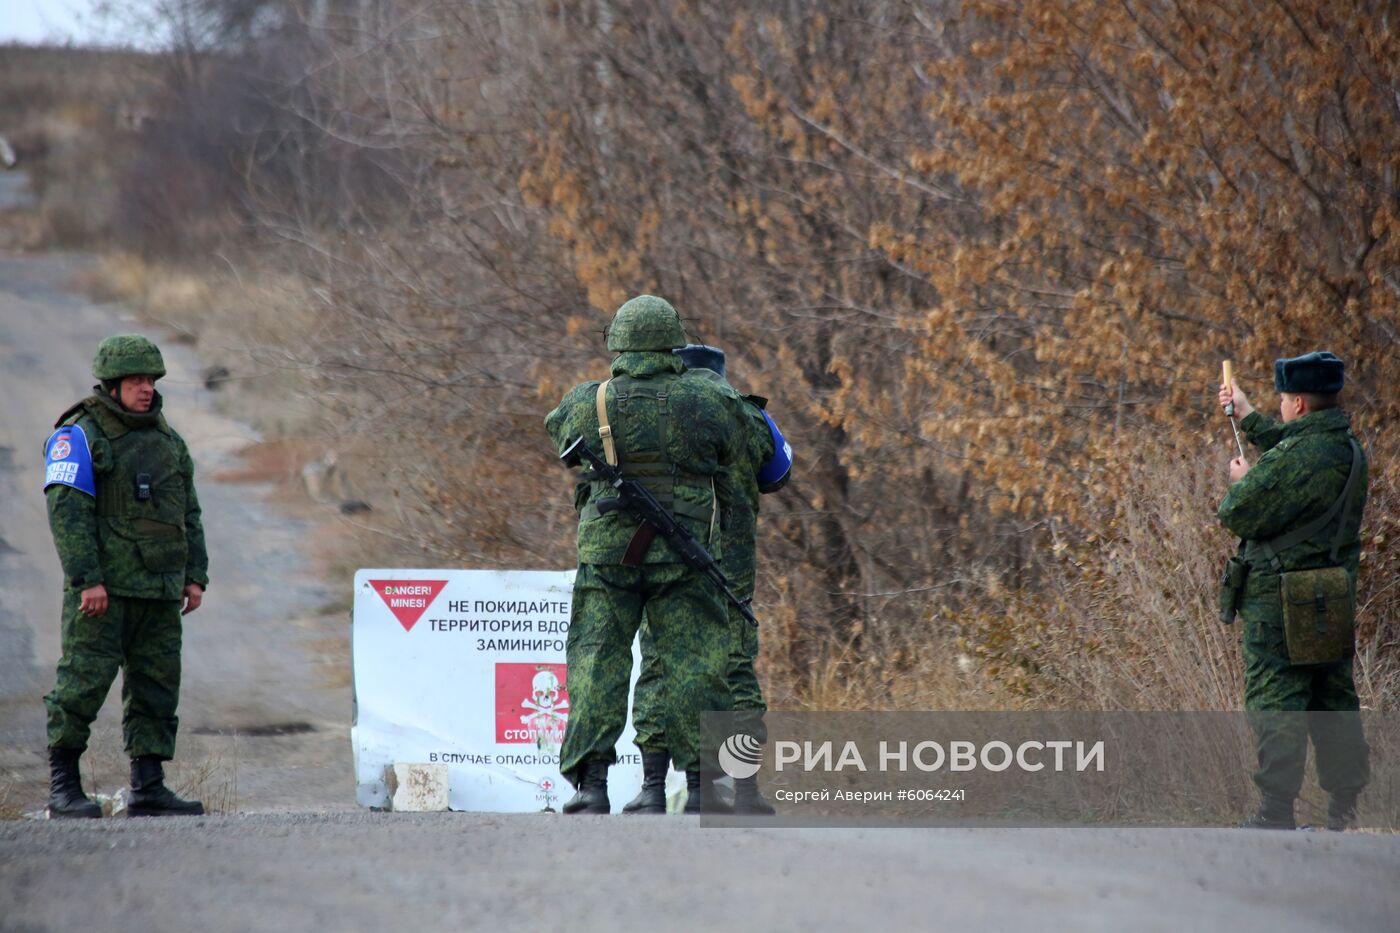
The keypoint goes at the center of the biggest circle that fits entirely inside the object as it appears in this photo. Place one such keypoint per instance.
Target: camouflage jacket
(738, 488)
(674, 432)
(1300, 473)
(145, 548)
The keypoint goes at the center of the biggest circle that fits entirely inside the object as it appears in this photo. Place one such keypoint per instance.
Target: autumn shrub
(1004, 249)
(1378, 601)
(1127, 619)
(985, 260)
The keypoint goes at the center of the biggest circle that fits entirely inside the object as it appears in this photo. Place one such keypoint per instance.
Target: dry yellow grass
(260, 325)
(11, 806)
(70, 115)
(201, 772)
(171, 296)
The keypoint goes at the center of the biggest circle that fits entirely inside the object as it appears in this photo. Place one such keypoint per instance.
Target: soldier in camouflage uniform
(762, 469)
(674, 434)
(126, 522)
(1302, 473)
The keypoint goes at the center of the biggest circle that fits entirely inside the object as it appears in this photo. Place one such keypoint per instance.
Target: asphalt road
(382, 871)
(266, 714)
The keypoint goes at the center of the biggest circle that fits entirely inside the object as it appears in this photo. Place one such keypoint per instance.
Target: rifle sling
(605, 429)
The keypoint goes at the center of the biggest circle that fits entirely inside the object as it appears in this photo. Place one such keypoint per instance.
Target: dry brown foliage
(984, 257)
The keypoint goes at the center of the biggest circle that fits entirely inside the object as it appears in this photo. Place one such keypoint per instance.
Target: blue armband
(68, 460)
(774, 474)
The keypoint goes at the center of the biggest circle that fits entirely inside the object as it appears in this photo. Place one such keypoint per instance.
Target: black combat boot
(592, 795)
(150, 796)
(748, 799)
(66, 798)
(652, 798)
(1341, 811)
(1273, 813)
(708, 802)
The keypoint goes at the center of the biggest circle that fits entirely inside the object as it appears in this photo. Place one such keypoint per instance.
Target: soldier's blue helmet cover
(1319, 373)
(773, 475)
(700, 356)
(68, 460)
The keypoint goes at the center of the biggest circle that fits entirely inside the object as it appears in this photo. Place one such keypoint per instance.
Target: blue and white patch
(68, 460)
(773, 474)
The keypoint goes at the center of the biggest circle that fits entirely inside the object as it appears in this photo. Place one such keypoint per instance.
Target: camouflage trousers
(690, 642)
(1289, 703)
(141, 637)
(745, 694)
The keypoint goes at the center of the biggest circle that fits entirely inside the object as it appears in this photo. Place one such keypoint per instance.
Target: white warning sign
(466, 668)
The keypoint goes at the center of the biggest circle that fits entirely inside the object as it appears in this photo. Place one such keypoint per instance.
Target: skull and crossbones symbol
(550, 711)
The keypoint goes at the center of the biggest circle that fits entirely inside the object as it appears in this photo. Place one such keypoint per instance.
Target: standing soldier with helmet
(674, 435)
(126, 523)
(1298, 512)
(764, 467)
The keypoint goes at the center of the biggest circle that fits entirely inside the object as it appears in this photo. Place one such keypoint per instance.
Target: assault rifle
(655, 519)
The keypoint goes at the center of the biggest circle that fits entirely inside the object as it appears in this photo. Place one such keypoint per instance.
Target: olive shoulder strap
(1274, 546)
(605, 429)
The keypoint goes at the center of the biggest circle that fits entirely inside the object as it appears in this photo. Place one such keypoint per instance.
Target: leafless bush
(66, 112)
(990, 330)
(244, 139)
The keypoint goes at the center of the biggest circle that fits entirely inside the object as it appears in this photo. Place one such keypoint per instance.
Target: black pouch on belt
(1232, 588)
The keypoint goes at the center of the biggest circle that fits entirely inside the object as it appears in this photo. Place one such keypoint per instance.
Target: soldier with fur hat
(126, 523)
(1297, 511)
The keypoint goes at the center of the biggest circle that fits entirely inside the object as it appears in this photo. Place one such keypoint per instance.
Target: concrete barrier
(416, 788)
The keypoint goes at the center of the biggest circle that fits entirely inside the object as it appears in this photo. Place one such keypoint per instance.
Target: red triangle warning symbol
(408, 599)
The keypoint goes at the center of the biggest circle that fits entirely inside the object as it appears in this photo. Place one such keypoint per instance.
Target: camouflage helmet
(127, 355)
(646, 323)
